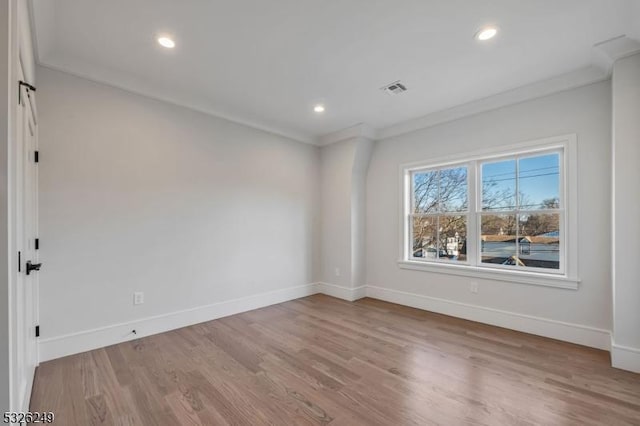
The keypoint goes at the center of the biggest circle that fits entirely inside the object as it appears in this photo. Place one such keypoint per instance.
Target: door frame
(20, 395)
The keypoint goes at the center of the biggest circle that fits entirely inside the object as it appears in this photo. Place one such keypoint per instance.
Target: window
(498, 213)
(439, 214)
(521, 211)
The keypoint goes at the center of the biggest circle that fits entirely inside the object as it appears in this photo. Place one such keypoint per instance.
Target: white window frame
(565, 277)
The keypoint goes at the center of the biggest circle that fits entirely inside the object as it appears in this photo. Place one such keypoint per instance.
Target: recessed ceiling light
(166, 42)
(486, 33)
(319, 108)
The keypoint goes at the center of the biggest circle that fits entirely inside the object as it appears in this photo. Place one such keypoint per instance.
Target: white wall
(335, 183)
(344, 166)
(635, 20)
(626, 212)
(362, 157)
(140, 195)
(585, 111)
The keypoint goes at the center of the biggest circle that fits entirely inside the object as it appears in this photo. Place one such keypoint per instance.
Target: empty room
(312, 212)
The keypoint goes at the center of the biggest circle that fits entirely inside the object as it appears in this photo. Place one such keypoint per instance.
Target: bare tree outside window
(505, 211)
(439, 230)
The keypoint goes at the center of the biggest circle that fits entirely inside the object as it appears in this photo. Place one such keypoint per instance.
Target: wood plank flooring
(321, 360)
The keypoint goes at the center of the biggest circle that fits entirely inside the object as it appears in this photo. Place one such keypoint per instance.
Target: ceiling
(267, 63)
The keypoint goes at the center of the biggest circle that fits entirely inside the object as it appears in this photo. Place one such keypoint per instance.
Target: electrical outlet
(138, 298)
(473, 287)
(337, 272)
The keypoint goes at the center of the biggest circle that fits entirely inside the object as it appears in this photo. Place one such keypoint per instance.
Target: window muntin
(539, 182)
(515, 218)
(438, 219)
(499, 185)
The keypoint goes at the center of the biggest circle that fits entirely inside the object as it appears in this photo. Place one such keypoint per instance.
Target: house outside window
(501, 211)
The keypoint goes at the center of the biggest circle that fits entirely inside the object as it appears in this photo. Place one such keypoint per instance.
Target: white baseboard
(56, 347)
(341, 292)
(625, 358)
(574, 333)
(60, 346)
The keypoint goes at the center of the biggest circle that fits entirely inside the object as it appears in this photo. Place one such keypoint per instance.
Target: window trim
(567, 277)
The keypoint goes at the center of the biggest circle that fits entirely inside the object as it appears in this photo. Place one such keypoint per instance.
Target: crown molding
(572, 80)
(360, 130)
(295, 136)
(606, 53)
(45, 17)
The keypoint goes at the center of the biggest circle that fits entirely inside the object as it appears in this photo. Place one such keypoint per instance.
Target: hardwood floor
(321, 360)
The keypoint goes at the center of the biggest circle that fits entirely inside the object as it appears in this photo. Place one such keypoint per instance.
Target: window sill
(531, 278)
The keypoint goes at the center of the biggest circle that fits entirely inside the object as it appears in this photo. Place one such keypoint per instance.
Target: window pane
(453, 238)
(425, 192)
(539, 182)
(453, 189)
(498, 239)
(540, 241)
(425, 237)
(499, 185)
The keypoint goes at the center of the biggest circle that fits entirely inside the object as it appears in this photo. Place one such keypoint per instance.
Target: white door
(25, 292)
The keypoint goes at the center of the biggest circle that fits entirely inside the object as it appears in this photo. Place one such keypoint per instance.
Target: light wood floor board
(320, 360)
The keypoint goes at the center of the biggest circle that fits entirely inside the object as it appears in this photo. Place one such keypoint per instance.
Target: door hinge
(28, 86)
(37, 331)
(36, 156)
(19, 261)
(37, 243)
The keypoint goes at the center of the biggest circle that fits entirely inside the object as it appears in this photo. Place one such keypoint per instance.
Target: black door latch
(33, 267)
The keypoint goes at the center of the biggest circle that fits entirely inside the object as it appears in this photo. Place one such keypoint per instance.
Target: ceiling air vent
(394, 88)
